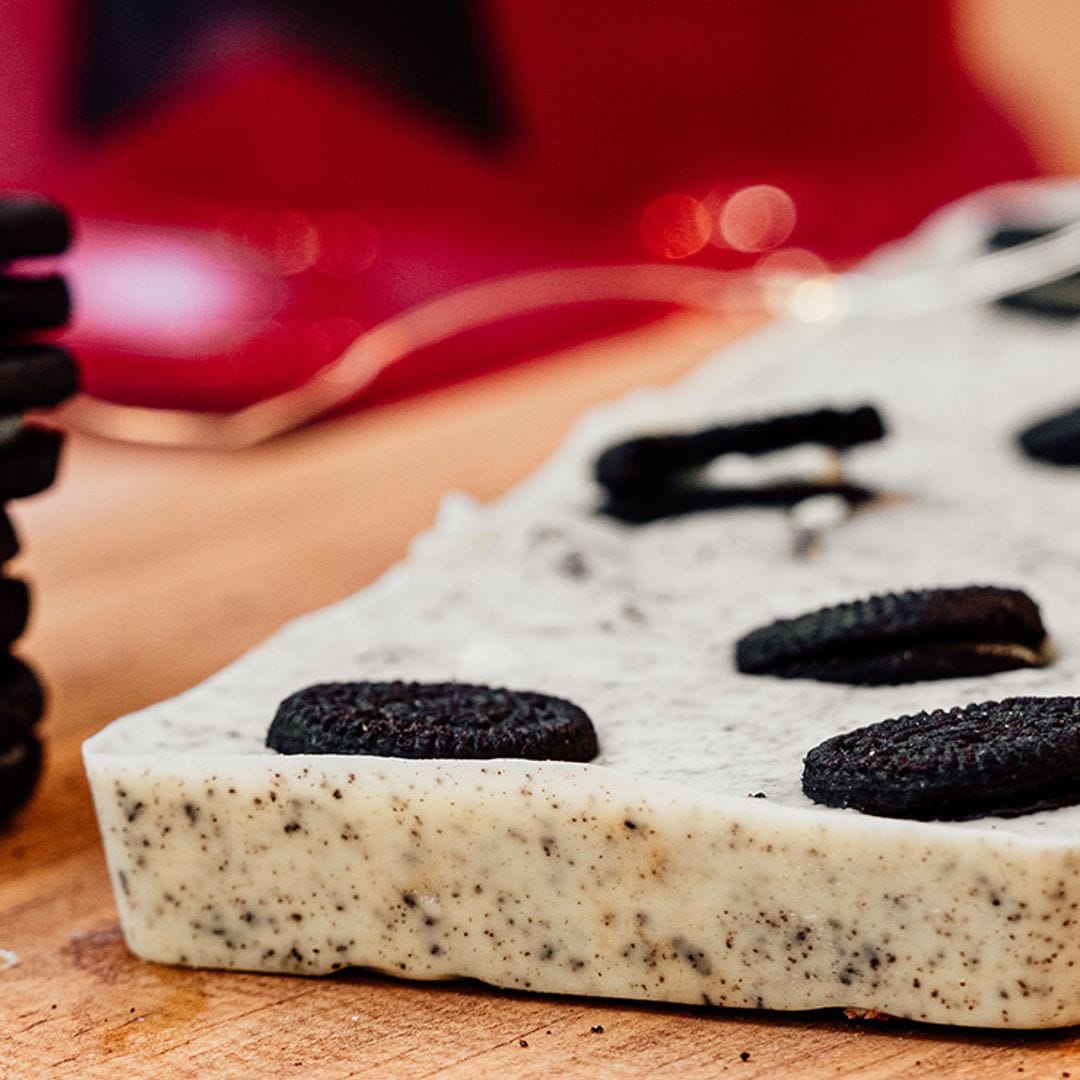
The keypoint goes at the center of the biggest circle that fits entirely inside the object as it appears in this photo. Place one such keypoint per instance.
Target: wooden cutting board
(154, 568)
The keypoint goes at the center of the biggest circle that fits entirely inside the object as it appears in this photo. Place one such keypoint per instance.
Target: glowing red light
(676, 226)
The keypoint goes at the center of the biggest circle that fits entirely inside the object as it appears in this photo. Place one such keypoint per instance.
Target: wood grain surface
(151, 570)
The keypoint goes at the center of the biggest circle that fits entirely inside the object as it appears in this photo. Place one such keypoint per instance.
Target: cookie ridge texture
(1002, 758)
(910, 636)
(431, 720)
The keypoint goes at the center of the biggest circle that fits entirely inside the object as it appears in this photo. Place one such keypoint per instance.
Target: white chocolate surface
(651, 873)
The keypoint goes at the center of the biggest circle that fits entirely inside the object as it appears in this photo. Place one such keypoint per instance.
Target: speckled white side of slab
(650, 874)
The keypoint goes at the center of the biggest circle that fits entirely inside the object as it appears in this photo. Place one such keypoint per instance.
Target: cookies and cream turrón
(652, 873)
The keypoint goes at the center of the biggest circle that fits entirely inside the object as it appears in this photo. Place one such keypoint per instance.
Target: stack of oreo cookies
(33, 375)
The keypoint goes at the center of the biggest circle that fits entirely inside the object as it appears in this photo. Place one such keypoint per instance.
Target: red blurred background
(256, 187)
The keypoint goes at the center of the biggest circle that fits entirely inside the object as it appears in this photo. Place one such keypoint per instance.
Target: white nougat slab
(651, 873)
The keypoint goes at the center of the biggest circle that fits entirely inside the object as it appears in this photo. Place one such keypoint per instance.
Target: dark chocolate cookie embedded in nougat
(1002, 758)
(431, 720)
(638, 466)
(902, 637)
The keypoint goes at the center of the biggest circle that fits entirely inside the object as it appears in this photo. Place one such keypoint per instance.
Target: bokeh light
(676, 226)
(798, 282)
(249, 231)
(793, 262)
(757, 218)
(167, 291)
(348, 244)
(817, 300)
(295, 246)
(288, 240)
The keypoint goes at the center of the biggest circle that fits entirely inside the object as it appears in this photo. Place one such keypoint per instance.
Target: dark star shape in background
(431, 54)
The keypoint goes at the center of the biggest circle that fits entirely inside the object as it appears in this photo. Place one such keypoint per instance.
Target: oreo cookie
(33, 303)
(22, 700)
(431, 720)
(9, 540)
(14, 609)
(28, 461)
(35, 376)
(32, 226)
(640, 466)
(902, 637)
(21, 705)
(20, 766)
(32, 376)
(1002, 758)
(1057, 299)
(1055, 439)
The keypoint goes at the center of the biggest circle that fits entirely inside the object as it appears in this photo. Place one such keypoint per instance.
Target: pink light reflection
(166, 292)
